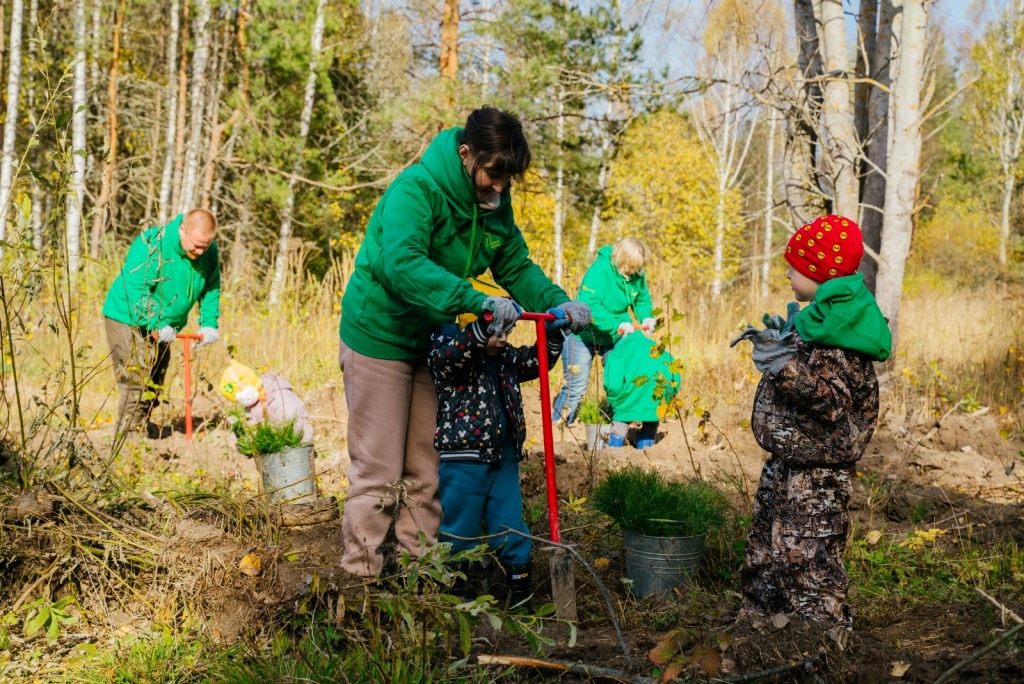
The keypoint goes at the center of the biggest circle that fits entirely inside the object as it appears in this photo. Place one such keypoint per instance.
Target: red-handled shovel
(563, 582)
(187, 339)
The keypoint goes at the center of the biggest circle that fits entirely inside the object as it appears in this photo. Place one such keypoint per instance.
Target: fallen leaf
(250, 564)
(899, 668)
(601, 563)
(779, 620)
(873, 537)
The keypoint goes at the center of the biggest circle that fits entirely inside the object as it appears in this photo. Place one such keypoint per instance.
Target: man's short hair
(201, 218)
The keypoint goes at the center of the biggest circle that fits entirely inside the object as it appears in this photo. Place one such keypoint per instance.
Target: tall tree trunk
(602, 187)
(243, 101)
(75, 201)
(840, 136)
(11, 121)
(104, 206)
(449, 64)
(877, 145)
(197, 96)
(316, 44)
(37, 190)
(1012, 133)
(866, 66)
(179, 135)
(799, 174)
(559, 218)
(167, 178)
(154, 155)
(769, 203)
(904, 160)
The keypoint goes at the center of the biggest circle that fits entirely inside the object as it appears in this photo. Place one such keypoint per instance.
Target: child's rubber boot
(520, 587)
(644, 443)
(616, 440)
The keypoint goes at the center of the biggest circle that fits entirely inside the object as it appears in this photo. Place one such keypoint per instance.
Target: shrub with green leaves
(592, 412)
(644, 501)
(265, 437)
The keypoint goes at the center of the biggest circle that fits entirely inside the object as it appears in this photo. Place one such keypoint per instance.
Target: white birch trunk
(167, 179)
(602, 186)
(840, 134)
(197, 97)
(1012, 127)
(75, 201)
(11, 122)
(316, 45)
(769, 203)
(904, 160)
(37, 191)
(559, 219)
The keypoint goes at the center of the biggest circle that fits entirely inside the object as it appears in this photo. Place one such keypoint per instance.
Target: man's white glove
(625, 329)
(166, 334)
(210, 335)
(649, 324)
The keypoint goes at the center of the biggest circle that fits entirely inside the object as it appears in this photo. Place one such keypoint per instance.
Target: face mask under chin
(490, 201)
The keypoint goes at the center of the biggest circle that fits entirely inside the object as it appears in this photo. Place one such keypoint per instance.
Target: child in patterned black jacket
(480, 434)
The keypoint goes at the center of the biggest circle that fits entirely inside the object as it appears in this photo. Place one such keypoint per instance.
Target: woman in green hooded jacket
(441, 221)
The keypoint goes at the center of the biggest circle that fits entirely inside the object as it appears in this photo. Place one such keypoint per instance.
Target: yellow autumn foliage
(664, 190)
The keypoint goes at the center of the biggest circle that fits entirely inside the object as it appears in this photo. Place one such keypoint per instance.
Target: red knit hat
(828, 247)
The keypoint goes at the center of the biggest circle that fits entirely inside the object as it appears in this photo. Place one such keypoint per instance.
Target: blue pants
(577, 358)
(471, 491)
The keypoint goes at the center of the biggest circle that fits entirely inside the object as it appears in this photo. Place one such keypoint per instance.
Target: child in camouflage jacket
(815, 410)
(480, 434)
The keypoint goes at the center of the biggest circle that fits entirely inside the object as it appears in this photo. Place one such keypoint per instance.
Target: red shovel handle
(545, 414)
(188, 337)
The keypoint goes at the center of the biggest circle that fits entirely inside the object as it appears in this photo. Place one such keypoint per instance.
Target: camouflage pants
(793, 561)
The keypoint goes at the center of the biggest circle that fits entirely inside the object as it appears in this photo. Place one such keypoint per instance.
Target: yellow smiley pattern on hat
(830, 246)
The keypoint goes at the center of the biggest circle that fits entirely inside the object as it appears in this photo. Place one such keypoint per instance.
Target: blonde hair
(631, 254)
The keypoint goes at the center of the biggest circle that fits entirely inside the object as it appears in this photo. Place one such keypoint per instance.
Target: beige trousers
(392, 416)
(140, 366)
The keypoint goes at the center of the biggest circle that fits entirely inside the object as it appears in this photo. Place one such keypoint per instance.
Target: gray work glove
(579, 315)
(778, 323)
(772, 349)
(504, 313)
(166, 334)
(210, 335)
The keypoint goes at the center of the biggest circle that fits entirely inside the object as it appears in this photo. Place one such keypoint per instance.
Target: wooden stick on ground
(1003, 610)
(978, 654)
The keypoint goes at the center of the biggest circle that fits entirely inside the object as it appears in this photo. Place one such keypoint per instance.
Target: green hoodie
(158, 283)
(610, 297)
(426, 236)
(844, 314)
(624, 365)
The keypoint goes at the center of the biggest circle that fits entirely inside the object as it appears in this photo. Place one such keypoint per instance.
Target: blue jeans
(471, 491)
(577, 358)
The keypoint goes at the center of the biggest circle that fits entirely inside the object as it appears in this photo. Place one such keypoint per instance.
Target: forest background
(289, 118)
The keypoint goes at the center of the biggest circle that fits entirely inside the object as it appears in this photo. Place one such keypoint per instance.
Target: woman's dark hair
(496, 138)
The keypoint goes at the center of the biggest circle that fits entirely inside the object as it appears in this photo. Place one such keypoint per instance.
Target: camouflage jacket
(820, 410)
(478, 400)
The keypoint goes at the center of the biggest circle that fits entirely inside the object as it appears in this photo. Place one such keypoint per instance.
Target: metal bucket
(597, 435)
(288, 475)
(657, 565)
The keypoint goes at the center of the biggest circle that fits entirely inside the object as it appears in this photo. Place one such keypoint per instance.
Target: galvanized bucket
(288, 475)
(597, 435)
(657, 565)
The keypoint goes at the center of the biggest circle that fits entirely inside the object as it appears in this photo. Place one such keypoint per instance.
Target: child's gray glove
(579, 315)
(772, 349)
(505, 313)
(776, 321)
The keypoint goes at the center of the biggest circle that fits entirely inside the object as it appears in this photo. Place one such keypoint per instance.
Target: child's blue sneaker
(616, 440)
(644, 443)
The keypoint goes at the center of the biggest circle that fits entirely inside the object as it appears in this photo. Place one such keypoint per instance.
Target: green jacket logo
(491, 241)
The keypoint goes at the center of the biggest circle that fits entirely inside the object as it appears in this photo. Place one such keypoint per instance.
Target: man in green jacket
(439, 223)
(167, 270)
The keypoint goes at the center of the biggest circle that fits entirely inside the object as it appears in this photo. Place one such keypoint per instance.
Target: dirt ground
(916, 471)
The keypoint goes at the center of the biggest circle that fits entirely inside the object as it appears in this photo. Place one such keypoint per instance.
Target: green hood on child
(844, 314)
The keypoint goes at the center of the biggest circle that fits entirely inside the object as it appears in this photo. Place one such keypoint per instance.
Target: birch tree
(801, 184)
(197, 98)
(167, 178)
(75, 201)
(904, 160)
(840, 136)
(7, 161)
(998, 106)
(316, 44)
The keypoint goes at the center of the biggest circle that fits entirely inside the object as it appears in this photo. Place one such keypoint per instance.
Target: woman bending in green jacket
(441, 221)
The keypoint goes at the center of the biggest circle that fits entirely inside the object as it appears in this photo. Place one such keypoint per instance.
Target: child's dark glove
(778, 323)
(772, 350)
(505, 313)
